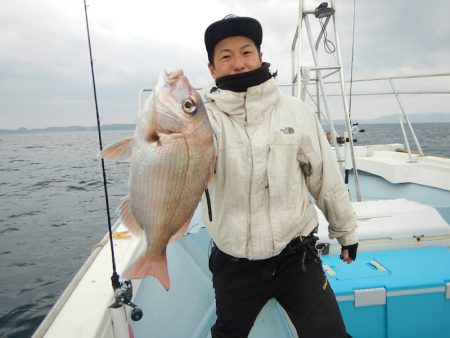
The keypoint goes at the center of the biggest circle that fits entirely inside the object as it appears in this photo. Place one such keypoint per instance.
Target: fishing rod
(123, 290)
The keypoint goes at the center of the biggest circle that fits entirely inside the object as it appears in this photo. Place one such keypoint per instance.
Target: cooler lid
(393, 270)
(392, 219)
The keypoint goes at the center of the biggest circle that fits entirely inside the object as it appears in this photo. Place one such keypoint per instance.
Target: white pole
(119, 321)
(346, 110)
(324, 97)
(405, 116)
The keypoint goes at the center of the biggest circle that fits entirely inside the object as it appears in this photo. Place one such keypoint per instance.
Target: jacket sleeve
(325, 183)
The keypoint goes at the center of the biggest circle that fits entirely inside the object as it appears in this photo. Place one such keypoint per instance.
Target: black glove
(352, 249)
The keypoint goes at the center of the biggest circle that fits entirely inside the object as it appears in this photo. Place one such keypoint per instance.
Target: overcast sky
(45, 77)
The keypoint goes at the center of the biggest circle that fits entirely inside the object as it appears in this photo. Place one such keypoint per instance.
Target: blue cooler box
(395, 294)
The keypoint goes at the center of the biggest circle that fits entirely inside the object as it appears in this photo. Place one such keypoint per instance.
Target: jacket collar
(252, 106)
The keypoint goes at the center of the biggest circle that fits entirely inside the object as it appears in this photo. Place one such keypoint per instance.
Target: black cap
(232, 25)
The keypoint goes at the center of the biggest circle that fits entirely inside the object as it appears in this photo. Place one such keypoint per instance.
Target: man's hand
(348, 253)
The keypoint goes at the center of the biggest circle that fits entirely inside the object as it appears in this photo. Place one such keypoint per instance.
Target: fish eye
(188, 105)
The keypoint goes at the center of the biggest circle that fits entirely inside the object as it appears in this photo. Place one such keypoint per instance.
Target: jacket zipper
(249, 214)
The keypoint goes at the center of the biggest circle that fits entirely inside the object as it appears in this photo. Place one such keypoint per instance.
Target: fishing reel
(355, 130)
(123, 293)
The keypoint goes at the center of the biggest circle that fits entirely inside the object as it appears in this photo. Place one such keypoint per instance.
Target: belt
(298, 244)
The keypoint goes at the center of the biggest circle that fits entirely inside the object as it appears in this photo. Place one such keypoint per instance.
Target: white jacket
(271, 150)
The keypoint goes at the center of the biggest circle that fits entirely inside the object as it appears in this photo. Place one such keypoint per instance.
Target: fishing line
(115, 276)
(329, 46)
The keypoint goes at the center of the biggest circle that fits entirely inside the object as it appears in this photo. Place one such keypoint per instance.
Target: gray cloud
(45, 77)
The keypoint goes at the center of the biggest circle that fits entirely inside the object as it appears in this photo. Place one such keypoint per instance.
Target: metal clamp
(369, 297)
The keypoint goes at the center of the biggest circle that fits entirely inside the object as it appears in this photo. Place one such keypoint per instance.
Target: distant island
(385, 119)
(395, 118)
(69, 129)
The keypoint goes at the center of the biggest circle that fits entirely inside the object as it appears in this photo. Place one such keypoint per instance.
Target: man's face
(233, 55)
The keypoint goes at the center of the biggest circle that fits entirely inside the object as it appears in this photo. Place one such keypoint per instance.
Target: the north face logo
(287, 130)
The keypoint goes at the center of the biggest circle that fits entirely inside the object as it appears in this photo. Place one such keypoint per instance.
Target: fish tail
(148, 265)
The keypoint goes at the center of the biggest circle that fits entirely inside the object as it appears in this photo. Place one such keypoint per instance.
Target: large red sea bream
(172, 159)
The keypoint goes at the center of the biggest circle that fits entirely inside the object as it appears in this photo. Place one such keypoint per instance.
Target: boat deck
(189, 305)
(385, 172)
(188, 309)
(396, 167)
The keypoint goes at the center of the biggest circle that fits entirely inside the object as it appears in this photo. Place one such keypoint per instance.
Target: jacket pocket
(285, 180)
(283, 168)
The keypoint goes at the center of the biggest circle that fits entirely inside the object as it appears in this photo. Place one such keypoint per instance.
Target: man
(272, 156)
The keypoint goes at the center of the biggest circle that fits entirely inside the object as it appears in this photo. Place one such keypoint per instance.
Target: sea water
(52, 211)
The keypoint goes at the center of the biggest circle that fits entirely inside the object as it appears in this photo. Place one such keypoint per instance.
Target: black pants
(294, 278)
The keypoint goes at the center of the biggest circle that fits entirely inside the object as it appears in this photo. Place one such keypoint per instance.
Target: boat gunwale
(71, 287)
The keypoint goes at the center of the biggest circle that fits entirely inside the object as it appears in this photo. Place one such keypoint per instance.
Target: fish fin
(148, 265)
(180, 233)
(120, 151)
(127, 217)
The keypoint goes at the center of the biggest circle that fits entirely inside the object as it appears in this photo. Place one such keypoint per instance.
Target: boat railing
(301, 80)
(404, 118)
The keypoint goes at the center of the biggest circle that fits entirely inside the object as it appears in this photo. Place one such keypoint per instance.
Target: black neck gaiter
(242, 81)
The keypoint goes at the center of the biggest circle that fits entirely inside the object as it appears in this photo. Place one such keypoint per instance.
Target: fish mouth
(174, 76)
